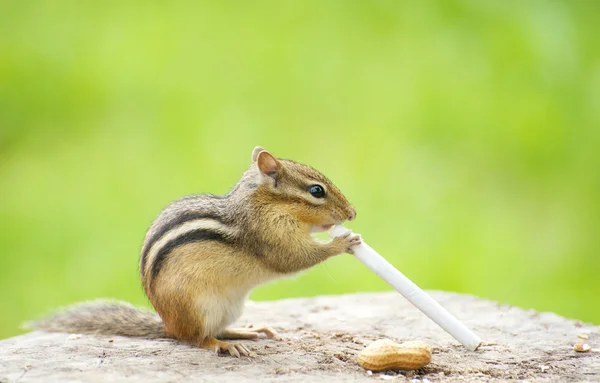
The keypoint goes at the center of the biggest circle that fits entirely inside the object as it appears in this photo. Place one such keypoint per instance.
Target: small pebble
(582, 347)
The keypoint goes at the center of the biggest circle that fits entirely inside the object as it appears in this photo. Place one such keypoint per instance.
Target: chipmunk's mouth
(320, 228)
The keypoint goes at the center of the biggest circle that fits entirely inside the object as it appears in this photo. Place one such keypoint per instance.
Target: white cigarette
(412, 292)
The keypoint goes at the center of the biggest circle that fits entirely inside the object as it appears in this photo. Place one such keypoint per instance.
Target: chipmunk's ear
(255, 153)
(267, 164)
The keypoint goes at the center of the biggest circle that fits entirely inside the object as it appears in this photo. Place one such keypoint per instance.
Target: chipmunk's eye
(317, 191)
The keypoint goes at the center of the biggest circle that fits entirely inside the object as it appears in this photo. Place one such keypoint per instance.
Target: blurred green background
(466, 133)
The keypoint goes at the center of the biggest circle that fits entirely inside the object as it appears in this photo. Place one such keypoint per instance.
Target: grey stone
(321, 337)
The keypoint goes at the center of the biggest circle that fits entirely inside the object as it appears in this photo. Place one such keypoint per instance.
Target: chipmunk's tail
(103, 317)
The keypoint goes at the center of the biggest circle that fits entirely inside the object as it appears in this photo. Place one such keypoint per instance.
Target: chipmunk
(204, 253)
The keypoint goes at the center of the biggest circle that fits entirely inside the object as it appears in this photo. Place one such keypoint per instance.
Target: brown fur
(257, 232)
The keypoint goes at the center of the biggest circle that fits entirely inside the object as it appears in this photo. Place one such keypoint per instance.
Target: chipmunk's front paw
(346, 241)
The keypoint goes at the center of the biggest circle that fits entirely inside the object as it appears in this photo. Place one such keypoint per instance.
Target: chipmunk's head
(308, 194)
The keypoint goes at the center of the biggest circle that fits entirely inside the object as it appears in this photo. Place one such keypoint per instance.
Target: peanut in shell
(385, 354)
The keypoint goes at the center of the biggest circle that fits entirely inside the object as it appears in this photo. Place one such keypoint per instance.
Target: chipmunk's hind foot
(249, 332)
(220, 347)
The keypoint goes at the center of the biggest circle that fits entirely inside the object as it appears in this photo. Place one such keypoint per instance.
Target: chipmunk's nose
(351, 213)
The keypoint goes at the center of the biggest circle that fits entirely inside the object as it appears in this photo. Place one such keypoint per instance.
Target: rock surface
(321, 337)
